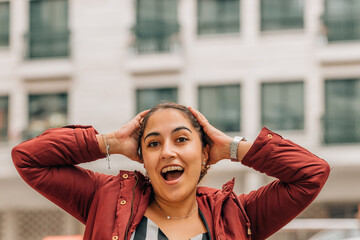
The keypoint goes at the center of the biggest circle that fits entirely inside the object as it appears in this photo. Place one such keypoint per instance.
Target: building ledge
(154, 63)
(39, 69)
(339, 54)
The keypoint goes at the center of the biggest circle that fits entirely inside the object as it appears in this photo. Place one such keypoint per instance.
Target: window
(283, 105)
(221, 106)
(282, 14)
(342, 111)
(148, 98)
(4, 115)
(156, 27)
(49, 33)
(342, 20)
(344, 210)
(218, 16)
(4, 23)
(46, 111)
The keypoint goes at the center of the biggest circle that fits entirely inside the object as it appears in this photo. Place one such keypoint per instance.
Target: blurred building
(291, 65)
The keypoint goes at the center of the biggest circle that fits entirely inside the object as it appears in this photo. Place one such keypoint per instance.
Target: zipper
(248, 224)
(132, 208)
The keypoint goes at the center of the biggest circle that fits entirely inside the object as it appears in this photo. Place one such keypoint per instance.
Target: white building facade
(293, 66)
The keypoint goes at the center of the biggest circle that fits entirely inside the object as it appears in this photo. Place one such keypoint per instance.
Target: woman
(176, 145)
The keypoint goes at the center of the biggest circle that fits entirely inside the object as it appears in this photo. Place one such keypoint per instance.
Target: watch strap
(234, 145)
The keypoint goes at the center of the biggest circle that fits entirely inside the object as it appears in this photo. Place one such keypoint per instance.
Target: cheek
(149, 161)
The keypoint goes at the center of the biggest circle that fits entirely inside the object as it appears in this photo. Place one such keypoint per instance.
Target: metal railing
(161, 38)
(218, 27)
(281, 22)
(47, 45)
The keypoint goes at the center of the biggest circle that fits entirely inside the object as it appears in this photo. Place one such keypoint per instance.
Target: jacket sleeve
(300, 174)
(47, 164)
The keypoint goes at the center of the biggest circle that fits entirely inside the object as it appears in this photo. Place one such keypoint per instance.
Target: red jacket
(112, 206)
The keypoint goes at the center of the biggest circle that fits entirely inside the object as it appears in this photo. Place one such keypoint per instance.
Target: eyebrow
(173, 131)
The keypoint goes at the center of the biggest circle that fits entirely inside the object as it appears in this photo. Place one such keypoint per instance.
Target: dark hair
(186, 112)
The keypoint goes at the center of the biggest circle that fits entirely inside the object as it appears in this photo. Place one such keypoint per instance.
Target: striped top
(148, 230)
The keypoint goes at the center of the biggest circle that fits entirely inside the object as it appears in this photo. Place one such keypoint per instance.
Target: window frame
(346, 19)
(175, 90)
(346, 137)
(6, 33)
(4, 132)
(238, 126)
(218, 23)
(29, 132)
(282, 85)
(43, 43)
(165, 38)
(281, 25)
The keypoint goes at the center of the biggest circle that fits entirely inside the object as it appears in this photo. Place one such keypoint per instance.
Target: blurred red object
(75, 237)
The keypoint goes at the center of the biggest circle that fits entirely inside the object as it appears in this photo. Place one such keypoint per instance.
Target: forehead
(167, 118)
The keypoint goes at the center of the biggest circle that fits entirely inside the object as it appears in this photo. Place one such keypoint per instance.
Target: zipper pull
(248, 229)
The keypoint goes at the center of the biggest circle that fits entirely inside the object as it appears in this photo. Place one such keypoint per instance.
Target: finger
(137, 120)
(141, 115)
(200, 117)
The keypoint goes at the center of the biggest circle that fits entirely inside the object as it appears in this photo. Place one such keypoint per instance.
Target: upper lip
(172, 167)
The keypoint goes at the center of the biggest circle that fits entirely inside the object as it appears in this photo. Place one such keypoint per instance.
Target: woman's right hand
(124, 141)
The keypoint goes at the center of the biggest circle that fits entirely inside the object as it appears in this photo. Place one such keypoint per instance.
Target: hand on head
(127, 138)
(219, 141)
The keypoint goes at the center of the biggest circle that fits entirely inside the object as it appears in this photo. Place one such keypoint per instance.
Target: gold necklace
(175, 218)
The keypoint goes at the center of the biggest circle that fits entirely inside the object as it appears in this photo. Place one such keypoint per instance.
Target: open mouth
(171, 173)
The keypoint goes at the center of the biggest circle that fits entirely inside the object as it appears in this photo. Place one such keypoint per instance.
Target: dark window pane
(49, 32)
(4, 23)
(221, 106)
(46, 111)
(342, 20)
(282, 14)
(342, 111)
(218, 16)
(283, 105)
(4, 116)
(156, 27)
(148, 98)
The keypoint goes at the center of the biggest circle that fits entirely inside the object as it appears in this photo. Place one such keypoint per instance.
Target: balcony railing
(163, 38)
(342, 29)
(47, 45)
(219, 27)
(270, 23)
(341, 129)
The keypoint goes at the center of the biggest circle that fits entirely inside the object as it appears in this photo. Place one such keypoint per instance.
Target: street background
(290, 65)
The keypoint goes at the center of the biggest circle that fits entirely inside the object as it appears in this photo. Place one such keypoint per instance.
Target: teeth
(172, 168)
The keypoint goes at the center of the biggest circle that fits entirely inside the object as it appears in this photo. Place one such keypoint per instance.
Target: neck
(176, 210)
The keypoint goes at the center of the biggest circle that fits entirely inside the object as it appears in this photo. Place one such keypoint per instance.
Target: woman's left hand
(219, 141)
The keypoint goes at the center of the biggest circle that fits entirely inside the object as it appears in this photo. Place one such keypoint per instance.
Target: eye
(153, 144)
(181, 139)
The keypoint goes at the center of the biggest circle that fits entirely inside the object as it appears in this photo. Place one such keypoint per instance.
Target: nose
(167, 151)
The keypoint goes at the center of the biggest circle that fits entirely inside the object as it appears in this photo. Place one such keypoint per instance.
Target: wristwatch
(234, 145)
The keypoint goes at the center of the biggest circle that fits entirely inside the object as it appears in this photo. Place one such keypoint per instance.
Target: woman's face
(173, 154)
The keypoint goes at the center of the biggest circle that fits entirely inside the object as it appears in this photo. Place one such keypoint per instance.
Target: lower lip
(173, 182)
